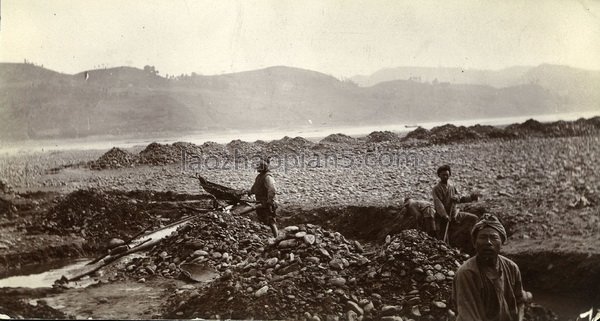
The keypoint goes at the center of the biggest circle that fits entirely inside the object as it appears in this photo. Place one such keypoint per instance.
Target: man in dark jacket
(264, 191)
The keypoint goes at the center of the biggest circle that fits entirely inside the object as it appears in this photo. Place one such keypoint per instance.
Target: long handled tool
(449, 221)
(445, 239)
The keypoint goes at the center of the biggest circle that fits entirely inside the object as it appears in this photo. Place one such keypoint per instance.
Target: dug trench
(47, 229)
(20, 249)
(562, 277)
(545, 266)
(42, 227)
(84, 221)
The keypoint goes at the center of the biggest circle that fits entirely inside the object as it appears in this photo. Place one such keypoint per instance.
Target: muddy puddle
(44, 275)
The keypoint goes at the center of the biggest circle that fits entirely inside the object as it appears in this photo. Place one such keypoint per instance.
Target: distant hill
(38, 103)
(573, 86)
(499, 79)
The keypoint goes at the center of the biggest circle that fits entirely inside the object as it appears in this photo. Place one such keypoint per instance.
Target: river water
(43, 275)
(311, 133)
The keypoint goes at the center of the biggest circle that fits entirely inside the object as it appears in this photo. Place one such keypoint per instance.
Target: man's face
(488, 243)
(444, 175)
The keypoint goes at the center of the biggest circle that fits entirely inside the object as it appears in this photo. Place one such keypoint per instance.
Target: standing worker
(488, 286)
(264, 191)
(459, 224)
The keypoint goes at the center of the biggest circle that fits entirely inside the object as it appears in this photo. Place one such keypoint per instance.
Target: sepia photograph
(331, 160)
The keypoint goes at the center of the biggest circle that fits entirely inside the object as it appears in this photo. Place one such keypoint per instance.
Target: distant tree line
(27, 62)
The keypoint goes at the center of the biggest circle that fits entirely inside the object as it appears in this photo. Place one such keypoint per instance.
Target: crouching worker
(424, 214)
(488, 286)
(264, 191)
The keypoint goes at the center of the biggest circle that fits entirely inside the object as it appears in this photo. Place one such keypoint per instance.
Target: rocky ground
(345, 254)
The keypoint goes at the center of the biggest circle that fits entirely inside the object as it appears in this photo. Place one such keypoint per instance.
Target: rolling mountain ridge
(37, 103)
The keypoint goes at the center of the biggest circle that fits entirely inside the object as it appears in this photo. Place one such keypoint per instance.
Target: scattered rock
(262, 291)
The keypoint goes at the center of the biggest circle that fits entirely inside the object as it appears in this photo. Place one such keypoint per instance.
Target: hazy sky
(338, 37)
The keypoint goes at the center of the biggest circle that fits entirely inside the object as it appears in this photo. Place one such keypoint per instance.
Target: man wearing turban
(488, 287)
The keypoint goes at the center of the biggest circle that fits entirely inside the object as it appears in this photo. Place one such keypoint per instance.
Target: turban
(489, 220)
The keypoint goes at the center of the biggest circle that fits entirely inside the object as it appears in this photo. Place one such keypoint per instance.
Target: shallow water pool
(40, 276)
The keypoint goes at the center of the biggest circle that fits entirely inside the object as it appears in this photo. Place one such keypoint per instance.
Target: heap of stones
(379, 136)
(579, 127)
(159, 154)
(164, 154)
(114, 158)
(413, 275)
(306, 273)
(287, 144)
(216, 240)
(99, 215)
(339, 139)
(419, 133)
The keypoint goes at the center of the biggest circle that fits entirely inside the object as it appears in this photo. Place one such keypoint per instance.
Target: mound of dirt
(164, 154)
(487, 131)
(339, 139)
(534, 128)
(287, 144)
(531, 128)
(577, 128)
(189, 148)
(419, 133)
(114, 158)
(239, 147)
(155, 154)
(532, 125)
(212, 148)
(381, 136)
(449, 133)
(159, 154)
(592, 122)
(98, 216)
